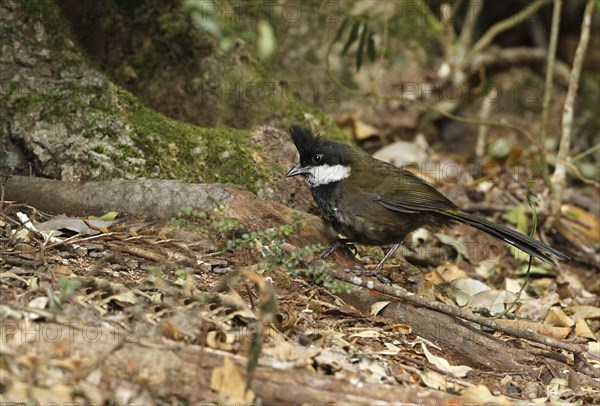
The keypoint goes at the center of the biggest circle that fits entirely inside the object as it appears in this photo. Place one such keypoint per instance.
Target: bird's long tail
(521, 241)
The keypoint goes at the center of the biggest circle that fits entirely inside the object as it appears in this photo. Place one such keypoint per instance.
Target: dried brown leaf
(550, 331)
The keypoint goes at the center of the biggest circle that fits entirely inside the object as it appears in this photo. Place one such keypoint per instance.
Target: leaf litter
(116, 281)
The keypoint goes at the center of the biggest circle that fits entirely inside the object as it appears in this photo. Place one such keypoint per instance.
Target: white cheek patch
(324, 174)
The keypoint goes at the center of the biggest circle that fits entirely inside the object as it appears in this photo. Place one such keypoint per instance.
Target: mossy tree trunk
(64, 118)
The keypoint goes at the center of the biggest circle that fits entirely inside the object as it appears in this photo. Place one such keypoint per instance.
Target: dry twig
(548, 85)
(559, 177)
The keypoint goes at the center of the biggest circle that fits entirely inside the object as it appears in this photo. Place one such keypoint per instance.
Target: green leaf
(518, 217)
(534, 270)
(254, 351)
(371, 48)
(361, 47)
(67, 288)
(500, 149)
(6, 311)
(352, 37)
(111, 215)
(532, 200)
(265, 42)
(341, 29)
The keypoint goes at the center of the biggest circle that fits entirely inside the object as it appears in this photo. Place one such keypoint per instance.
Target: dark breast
(328, 198)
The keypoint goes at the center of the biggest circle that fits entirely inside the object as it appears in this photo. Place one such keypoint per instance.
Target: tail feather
(525, 243)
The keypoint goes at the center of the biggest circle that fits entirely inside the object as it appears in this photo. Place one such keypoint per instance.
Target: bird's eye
(317, 158)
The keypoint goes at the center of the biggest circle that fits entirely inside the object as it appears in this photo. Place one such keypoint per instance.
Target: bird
(371, 202)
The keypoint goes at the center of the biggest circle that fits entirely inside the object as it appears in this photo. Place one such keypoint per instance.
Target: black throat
(327, 196)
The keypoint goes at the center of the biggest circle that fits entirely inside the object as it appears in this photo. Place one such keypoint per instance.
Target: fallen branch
(159, 198)
(148, 197)
(401, 293)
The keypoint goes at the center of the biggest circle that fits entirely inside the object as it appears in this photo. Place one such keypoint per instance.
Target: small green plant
(359, 31)
(155, 271)
(269, 245)
(185, 219)
(190, 211)
(214, 18)
(181, 273)
(67, 288)
(295, 264)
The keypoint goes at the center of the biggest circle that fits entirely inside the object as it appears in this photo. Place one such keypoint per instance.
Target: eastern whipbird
(371, 202)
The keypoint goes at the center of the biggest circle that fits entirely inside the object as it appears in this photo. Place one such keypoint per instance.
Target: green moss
(170, 149)
(164, 147)
(57, 29)
(183, 151)
(173, 24)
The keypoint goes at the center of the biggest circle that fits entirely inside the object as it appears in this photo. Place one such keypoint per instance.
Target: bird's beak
(297, 170)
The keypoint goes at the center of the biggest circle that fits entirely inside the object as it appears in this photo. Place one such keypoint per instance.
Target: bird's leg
(379, 267)
(337, 243)
(387, 256)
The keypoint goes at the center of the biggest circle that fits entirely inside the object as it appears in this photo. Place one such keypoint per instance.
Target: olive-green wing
(402, 191)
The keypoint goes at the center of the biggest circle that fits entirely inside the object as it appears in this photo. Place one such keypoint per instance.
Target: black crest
(304, 140)
(309, 144)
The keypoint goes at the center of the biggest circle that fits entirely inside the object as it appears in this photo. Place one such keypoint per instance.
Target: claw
(374, 272)
(344, 243)
(335, 245)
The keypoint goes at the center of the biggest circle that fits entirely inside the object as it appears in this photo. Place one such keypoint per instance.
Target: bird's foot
(374, 272)
(335, 245)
